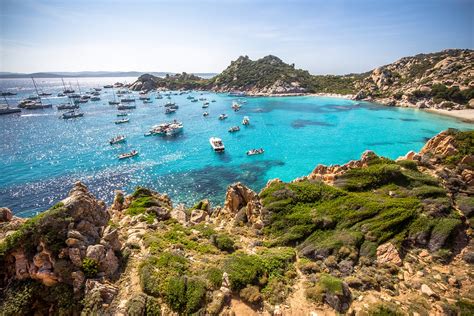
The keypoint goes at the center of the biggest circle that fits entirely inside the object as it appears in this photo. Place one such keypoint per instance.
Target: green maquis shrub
(185, 295)
(251, 294)
(243, 269)
(90, 267)
(371, 177)
(224, 242)
(408, 164)
(214, 277)
(195, 295)
(326, 284)
(174, 293)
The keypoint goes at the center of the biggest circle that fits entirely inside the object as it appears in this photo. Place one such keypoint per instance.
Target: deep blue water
(41, 156)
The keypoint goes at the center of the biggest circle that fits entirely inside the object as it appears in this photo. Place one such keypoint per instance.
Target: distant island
(83, 74)
(441, 80)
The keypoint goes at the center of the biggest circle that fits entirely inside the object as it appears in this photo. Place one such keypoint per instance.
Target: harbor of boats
(124, 101)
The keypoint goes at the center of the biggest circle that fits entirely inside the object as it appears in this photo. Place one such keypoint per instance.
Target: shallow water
(41, 156)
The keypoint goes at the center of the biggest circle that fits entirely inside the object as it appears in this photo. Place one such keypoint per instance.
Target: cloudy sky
(204, 36)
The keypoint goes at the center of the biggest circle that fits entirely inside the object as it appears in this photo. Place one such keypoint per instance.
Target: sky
(321, 36)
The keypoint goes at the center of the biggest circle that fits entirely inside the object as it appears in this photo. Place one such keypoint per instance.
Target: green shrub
(214, 276)
(384, 310)
(90, 267)
(195, 295)
(224, 242)
(251, 295)
(243, 270)
(174, 293)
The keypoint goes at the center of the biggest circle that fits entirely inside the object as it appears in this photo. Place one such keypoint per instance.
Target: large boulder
(388, 253)
(6, 214)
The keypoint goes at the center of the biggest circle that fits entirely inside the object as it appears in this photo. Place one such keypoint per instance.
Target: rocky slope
(183, 81)
(373, 236)
(438, 80)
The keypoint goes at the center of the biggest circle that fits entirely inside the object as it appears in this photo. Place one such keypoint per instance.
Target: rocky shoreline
(371, 236)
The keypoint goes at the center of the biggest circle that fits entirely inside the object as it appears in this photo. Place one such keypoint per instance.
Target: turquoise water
(41, 156)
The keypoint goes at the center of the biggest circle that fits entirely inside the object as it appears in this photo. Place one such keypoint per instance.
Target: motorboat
(213, 100)
(61, 95)
(126, 107)
(234, 129)
(236, 94)
(235, 106)
(74, 96)
(144, 98)
(34, 105)
(246, 120)
(170, 104)
(167, 128)
(189, 97)
(205, 105)
(67, 107)
(122, 114)
(95, 98)
(97, 89)
(147, 101)
(205, 114)
(222, 117)
(117, 140)
(122, 121)
(71, 114)
(127, 100)
(194, 100)
(252, 152)
(131, 154)
(108, 86)
(114, 102)
(217, 144)
(170, 111)
(44, 94)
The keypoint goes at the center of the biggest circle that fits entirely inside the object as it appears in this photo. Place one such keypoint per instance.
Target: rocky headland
(436, 81)
(371, 237)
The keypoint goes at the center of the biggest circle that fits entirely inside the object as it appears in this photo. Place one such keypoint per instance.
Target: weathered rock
(179, 214)
(107, 292)
(388, 253)
(198, 216)
(340, 302)
(425, 289)
(161, 213)
(5, 214)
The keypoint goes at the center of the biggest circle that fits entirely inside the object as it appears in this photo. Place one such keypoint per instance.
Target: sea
(41, 155)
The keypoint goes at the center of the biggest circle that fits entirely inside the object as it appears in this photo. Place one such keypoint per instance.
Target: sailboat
(5, 109)
(114, 102)
(66, 90)
(35, 105)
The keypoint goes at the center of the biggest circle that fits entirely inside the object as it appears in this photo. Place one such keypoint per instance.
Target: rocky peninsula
(441, 80)
(370, 237)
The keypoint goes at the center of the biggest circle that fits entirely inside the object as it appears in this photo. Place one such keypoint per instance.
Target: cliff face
(370, 236)
(437, 80)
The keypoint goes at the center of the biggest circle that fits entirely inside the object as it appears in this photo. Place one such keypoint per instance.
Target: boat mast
(6, 101)
(64, 86)
(78, 86)
(36, 89)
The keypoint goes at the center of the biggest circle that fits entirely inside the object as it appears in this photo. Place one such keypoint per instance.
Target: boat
(117, 140)
(167, 128)
(170, 111)
(159, 96)
(122, 114)
(213, 100)
(252, 152)
(205, 114)
(222, 117)
(237, 94)
(169, 103)
(234, 129)
(114, 102)
(126, 107)
(5, 109)
(8, 93)
(34, 105)
(74, 96)
(194, 100)
(60, 95)
(217, 144)
(122, 121)
(131, 154)
(71, 114)
(108, 86)
(144, 98)
(44, 94)
(97, 89)
(95, 99)
(205, 106)
(235, 106)
(67, 107)
(246, 120)
(127, 100)
(189, 97)
(147, 101)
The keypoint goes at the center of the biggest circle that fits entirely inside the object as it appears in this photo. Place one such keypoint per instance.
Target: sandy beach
(464, 115)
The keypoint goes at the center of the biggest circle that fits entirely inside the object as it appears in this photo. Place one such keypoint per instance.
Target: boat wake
(35, 114)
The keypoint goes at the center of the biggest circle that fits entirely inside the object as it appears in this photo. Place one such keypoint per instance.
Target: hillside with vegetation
(372, 237)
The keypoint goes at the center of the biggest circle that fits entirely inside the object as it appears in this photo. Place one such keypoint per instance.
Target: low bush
(90, 267)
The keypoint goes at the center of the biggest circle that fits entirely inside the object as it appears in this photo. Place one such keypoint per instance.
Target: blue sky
(204, 36)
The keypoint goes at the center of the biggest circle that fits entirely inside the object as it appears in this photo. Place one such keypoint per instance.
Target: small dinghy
(131, 154)
(222, 117)
(117, 140)
(252, 152)
(234, 129)
(246, 120)
(217, 144)
(122, 121)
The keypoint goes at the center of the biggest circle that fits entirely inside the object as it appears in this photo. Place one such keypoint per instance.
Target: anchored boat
(131, 154)
(217, 144)
(234, 129)
(246, 120)
(122, 121)
(252, 152)
(126, 107)
(71, 115)
(117, 139)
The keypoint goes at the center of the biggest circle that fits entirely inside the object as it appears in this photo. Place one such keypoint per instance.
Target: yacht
(234, 129)
(71, 114)
(168, 129)
(126, 107)
(217, 144)
(117, 140)
(67, 106)
(126, 120)
(222, 117)
(252, 152)
(5, 109)
(246, 120)
(131, 154)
